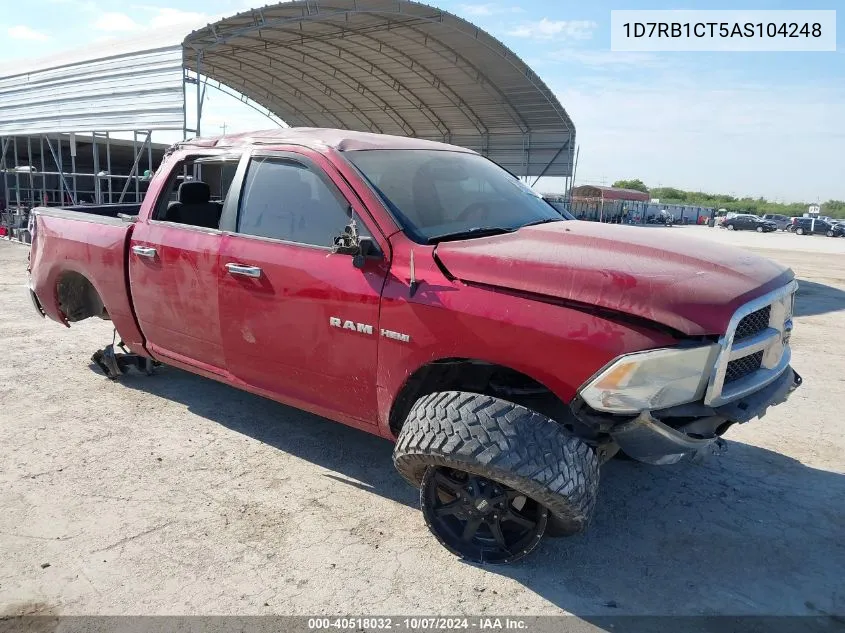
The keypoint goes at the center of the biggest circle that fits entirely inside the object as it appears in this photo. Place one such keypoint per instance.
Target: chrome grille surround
(772, 341)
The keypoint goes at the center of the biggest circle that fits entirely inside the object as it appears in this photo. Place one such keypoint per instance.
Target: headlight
(651, 380)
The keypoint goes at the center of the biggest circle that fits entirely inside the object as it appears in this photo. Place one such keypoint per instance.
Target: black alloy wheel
(480, 519)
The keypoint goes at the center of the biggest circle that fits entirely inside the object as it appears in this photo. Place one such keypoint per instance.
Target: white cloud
(112, 21)
(547, 29)
(157, 18)
(480, 10)
(171, 17)
(21, 32)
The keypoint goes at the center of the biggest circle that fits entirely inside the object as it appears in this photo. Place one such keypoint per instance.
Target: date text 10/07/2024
(417, 624)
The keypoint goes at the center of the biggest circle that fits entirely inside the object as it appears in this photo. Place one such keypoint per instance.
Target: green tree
(672, 195)
(834, 208)
(637, 185)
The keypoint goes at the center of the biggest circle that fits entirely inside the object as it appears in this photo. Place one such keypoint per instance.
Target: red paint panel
(95, 251)
(559, 347)
(691, 285)
(277, 333)
(175, 291)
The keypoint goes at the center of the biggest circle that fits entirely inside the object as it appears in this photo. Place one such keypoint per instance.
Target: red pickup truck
(418, 291)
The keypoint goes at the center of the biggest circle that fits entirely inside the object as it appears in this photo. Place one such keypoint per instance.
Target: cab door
(174, 269)
(299, 322)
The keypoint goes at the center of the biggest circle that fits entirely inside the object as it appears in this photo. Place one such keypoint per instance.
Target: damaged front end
(656, 438)
(661, 405)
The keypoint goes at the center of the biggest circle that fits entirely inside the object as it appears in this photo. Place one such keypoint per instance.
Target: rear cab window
(196, 190)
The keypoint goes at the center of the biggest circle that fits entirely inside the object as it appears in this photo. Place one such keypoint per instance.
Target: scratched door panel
(280, 330)
(174, 291)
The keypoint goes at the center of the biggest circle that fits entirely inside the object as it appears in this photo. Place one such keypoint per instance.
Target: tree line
(759, 206)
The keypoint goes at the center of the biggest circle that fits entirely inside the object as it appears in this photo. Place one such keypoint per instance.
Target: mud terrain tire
(505, 442)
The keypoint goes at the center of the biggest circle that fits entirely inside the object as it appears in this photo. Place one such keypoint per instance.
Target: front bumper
(647, 439)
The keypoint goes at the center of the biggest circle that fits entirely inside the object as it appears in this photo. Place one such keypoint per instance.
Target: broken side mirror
(367, 249)
(360, 248)
(348, 242)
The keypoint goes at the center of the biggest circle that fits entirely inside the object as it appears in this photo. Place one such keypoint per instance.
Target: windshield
(438, 195)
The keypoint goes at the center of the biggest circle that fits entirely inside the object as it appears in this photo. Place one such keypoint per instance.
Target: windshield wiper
(546, 221)
(476, 231)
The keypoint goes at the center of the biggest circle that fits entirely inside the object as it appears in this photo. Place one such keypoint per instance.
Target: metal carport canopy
(389, 66)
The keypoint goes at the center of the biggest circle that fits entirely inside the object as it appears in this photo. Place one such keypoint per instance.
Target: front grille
(754, 351)
(742, 367)
(753, 324)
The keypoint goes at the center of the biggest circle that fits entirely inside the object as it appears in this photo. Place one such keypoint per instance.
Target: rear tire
(730, 227)
(799, 231)
(506, 444)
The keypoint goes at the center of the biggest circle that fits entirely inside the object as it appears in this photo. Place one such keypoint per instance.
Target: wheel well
(463, 374)
(78, 299)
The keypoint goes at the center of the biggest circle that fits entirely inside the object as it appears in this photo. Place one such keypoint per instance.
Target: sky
(748, 124)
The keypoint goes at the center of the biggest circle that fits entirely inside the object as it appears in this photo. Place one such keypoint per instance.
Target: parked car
(661, 217)
(417, 291)
(748, 222)
(814, 226)
(781, 221)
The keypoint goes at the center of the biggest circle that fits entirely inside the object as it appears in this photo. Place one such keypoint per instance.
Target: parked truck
(419, 292)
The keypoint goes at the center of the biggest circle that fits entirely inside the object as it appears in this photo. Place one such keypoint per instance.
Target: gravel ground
(174, 494)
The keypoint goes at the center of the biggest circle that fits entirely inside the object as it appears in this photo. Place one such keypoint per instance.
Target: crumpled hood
(687, 283)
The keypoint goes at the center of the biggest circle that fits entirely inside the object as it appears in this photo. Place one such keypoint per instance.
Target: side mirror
(367, 249)
(360, 248)
(344, 246)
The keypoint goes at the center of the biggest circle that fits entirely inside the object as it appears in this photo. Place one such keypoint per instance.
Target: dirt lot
(178, 495)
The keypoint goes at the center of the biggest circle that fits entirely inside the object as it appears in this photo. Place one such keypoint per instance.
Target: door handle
(246, 271)
(144, 251)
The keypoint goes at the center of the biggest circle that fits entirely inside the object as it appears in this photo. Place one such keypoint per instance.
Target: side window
(195, 191)
(285, 200)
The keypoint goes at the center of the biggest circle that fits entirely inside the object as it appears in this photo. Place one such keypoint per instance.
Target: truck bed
(79, 265)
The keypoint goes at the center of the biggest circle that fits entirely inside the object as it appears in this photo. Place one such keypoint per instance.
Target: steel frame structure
(389, 66)
(53, 146)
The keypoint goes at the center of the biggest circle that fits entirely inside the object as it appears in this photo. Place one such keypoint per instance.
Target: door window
(284, 199)
(196, 190)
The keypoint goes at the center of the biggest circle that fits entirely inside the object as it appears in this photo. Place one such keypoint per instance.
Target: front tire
(514, 448)
(759, 229)
(830, 233)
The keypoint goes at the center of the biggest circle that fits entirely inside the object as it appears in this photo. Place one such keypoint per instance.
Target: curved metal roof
(393, 67)
(609, 193)
(125, 85)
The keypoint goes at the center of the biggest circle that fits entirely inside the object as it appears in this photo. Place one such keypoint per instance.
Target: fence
(628, 212)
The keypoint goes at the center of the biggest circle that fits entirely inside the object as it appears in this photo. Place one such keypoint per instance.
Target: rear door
(173, 269)
(299, 322)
